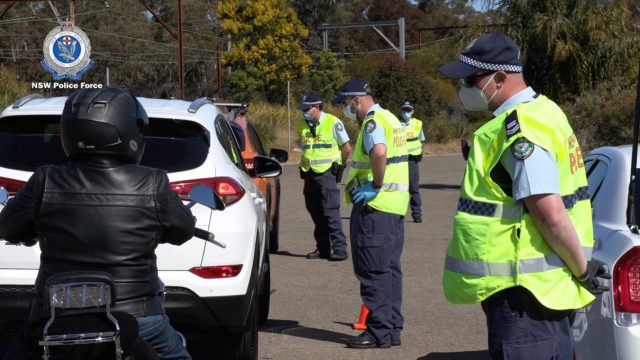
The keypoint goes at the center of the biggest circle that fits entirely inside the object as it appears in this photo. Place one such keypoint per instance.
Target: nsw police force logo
(66, 52)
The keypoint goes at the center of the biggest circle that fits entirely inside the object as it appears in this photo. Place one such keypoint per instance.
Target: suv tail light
(626, 287)
(229, 190)
(217, 272)
(12, 186)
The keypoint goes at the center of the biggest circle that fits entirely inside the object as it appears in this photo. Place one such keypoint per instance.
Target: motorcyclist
(102, 211)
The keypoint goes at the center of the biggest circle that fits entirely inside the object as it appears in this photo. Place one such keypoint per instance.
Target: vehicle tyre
(244, 345)
(274, 233)
(264, 299)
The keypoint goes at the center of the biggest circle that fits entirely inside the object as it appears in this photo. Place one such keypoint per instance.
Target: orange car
(270, 187)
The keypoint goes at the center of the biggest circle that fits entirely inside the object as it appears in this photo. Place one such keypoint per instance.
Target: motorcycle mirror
(4, 195)
(205, 195)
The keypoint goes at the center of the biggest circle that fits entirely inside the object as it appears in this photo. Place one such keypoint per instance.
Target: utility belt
(416, 158)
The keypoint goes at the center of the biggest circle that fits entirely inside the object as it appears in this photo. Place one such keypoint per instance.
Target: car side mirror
(4, 196)
(265, 167)
(205, 195)
(280, 155)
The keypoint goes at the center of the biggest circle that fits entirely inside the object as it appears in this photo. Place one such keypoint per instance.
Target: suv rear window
(27, 142)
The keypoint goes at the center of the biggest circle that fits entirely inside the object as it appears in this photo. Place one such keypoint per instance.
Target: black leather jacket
(104, 215)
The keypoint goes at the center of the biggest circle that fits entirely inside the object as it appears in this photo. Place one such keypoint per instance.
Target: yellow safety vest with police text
(496, 244)
(321, 150)
(394, 194)
(414, 145)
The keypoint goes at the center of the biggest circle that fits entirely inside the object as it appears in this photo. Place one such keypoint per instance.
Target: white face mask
(307, 116)
(348, 113)
(474, 99)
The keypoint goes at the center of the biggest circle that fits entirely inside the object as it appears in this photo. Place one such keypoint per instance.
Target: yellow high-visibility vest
(414, 145)
(321, 150)
(496, 244)
(394, 194)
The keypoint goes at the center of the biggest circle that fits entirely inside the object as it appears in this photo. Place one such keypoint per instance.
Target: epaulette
(511, 124)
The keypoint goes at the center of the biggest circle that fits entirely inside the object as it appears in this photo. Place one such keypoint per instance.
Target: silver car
(610, 327)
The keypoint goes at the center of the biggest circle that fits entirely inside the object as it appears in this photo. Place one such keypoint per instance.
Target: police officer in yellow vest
(378, 187)
(522, 232)
(415, 137)
(325, 150)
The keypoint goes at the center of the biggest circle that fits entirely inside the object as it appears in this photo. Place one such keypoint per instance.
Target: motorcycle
(79, 304)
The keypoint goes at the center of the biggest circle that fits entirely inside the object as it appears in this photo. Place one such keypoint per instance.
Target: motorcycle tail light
(217, 272)
(229, 190)
(626, 287)
(11, 185)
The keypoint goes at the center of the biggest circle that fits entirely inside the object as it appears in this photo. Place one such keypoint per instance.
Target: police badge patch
(66, 52)
(370, 126)
(522, 148)
(339, 126)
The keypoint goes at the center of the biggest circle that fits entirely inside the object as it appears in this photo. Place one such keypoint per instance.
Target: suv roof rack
(198, 103)
(25, 99)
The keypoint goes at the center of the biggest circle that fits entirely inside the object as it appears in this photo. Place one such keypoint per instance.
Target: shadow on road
(286, 253)
(440, 186)
(292, 328)
(462, 355)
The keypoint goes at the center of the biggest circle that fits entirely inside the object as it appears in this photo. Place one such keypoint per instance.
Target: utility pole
(178, 37)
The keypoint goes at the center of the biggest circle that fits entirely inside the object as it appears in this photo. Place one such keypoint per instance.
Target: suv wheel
(244, 345)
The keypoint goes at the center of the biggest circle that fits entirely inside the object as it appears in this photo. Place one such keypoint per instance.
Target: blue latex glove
(364, 193)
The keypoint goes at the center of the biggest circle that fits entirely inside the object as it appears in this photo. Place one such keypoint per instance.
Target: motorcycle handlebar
(205, 235)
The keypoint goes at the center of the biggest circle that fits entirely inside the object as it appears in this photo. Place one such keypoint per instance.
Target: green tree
(569, 47)
(326, 74)
(265, 34)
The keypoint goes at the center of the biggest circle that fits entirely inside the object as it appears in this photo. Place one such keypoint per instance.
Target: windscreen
(27, 142)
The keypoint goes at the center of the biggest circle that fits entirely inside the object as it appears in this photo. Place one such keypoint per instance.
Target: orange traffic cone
(362, 322)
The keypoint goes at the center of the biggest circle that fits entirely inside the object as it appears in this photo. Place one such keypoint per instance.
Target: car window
(174, 145)
(228, 141)
(27, 142)
(596, 172)
(255, 139)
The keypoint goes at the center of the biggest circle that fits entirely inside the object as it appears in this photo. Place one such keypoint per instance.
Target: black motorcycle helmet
(107, 121)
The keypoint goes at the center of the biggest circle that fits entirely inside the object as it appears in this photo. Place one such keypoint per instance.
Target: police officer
(378, 187)
(100, 210)
(325, 150)
(415, 137)
(522, 232)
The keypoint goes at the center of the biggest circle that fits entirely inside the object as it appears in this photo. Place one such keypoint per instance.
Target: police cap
(353, 87)
(407, 106)
(309, 100)
(489, 52)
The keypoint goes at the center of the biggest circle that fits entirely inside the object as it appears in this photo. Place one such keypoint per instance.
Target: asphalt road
(314, 302)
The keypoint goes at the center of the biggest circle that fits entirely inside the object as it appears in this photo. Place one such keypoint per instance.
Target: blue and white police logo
(66, 52)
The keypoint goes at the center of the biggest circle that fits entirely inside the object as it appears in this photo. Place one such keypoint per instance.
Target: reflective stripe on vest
(527, 266)
(386, 186)
(319, 146)
(514, 212)
(391, 160)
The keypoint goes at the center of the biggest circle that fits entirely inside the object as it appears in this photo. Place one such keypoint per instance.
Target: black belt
(140, 307)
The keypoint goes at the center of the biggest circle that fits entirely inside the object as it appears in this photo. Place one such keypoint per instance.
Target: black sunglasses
(470, 80)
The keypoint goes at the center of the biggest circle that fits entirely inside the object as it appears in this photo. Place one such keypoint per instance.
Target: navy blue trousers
(415, 202)
(520, 328)
(322, 199)
(377, 239)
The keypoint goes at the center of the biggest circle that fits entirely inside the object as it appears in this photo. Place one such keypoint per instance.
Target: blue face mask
(307, 116)
(406, 115)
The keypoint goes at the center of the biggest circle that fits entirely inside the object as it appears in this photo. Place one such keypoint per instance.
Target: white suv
(208, 288)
